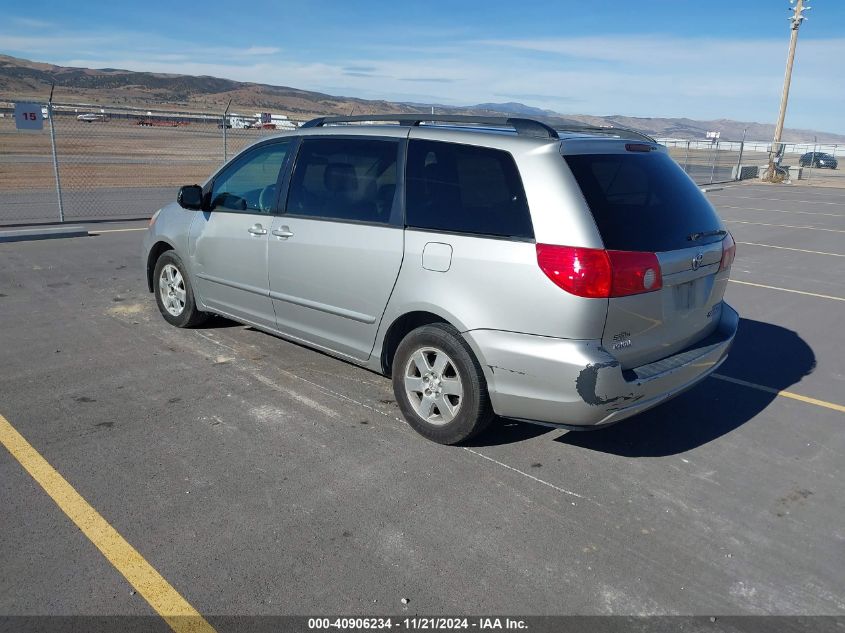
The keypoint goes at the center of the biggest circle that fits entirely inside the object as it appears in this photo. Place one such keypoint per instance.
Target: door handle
(257, 229)
(283, 231)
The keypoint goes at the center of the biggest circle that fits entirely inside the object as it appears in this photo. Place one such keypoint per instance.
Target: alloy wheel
(433, 385)
(171, 289)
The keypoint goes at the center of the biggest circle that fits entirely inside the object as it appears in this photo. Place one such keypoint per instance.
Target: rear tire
(439, 385)
(173, 292)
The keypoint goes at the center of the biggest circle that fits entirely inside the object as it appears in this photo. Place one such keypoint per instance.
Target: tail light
(580, 271)
(728, 252)
(597, 273)
(634, 273)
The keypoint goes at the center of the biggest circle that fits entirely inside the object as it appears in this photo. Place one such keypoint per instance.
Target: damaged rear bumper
(579, 384)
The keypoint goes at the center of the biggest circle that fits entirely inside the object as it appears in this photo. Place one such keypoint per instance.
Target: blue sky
(681, 58)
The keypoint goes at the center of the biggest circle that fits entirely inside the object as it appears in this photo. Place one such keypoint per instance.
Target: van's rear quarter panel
(493, 284)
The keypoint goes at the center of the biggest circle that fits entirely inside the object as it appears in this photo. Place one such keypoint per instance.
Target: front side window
(248, 185)
(344, 179)
(465, 189)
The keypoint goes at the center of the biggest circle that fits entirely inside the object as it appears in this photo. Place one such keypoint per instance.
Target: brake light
(639, 147)
(597, 273)
(728, 252)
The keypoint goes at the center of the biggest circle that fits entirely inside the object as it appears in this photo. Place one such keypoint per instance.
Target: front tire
(173, 292)
(439, 385)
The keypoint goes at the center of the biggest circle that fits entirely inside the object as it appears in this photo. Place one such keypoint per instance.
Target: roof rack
(597, 129)
(523, 127)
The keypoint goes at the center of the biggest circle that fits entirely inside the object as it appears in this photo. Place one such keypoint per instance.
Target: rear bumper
(579, 384)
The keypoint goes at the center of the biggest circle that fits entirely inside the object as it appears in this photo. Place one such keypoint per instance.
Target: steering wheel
(267, 198)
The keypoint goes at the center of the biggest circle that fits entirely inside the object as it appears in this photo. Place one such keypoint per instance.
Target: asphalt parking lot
(260, 477)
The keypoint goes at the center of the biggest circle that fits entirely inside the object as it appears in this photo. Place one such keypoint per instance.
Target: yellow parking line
(161, 596)
(798, 292)
(787, 248)
(789, 226)
(785, 394)
(143, 228)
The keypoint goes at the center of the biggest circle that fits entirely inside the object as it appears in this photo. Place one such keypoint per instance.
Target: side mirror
(190, 197)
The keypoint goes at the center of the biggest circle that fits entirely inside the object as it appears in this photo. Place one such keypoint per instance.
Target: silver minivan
(490, 267)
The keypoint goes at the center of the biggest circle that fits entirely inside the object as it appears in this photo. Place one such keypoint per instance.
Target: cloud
(538, 97)
(357, 74)
(31, 23)
(642, 75)
(259, 50)
(434, 80)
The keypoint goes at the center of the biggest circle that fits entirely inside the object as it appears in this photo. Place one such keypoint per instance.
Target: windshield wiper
(693, 237)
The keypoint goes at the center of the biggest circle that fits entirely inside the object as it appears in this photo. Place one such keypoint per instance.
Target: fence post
(55, 156)
(225, 125)
(686, 159)
(812, 159)
(739, 160)
(713, 162)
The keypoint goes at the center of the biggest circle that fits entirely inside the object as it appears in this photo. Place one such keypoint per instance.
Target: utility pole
(796, 19)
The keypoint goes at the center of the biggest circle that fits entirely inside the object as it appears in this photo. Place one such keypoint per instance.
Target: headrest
(340, 178)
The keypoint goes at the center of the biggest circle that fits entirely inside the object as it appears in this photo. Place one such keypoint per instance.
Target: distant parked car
(818, 159)
(92, 118)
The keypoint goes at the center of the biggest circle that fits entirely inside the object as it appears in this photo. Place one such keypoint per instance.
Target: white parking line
(787, 248)
(346, 398)
(782, 199)
(343, 397)
(830, 215)
(798, 292)
(524, 474)
(95, 232)
(787, 226)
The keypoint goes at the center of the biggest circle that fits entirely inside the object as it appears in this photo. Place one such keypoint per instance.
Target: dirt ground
(121, 153)
(117, 153)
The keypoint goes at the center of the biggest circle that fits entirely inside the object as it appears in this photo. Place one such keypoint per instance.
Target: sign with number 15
(28, 116)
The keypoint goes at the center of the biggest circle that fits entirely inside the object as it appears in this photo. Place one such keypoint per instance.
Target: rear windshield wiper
(693, 237)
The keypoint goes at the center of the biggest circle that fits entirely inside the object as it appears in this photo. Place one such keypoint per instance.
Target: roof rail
(597, 129)
(523, 127)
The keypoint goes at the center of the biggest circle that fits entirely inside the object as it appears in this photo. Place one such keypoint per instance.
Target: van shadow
(762, 353)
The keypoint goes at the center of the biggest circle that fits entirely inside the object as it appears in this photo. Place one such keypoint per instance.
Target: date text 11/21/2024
(416, 623)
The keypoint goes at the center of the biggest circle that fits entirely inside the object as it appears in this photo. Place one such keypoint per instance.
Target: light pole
(796, 19)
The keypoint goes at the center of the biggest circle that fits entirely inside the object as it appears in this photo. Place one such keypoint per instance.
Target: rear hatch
(642, 201)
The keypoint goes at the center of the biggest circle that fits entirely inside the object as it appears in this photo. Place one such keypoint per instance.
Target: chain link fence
(113, 162)
(116, 162)
(709, 162)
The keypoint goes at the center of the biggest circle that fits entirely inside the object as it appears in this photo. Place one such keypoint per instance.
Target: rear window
(643, 201)
(465, 189)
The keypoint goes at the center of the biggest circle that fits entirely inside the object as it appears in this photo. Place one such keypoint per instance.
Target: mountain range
(25, 79)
